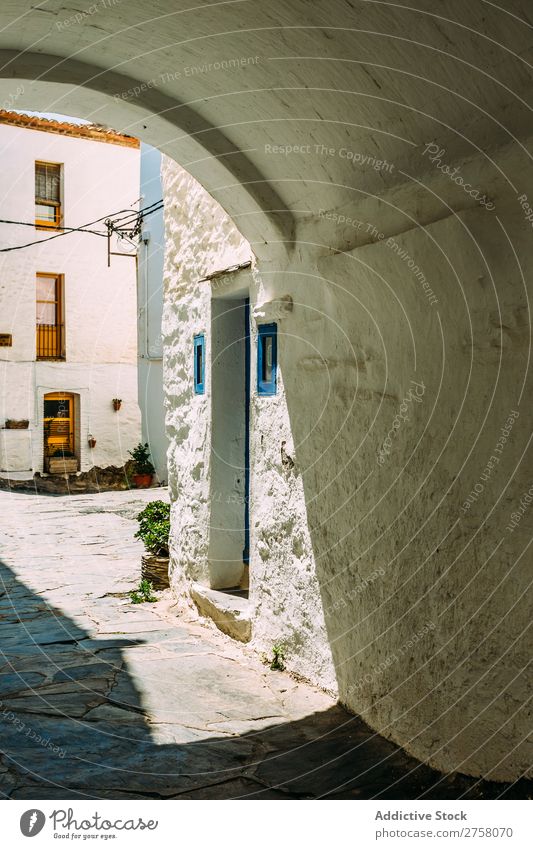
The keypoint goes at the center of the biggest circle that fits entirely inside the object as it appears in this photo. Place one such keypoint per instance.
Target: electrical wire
(65, 231)
(70, 229)
(143, 213)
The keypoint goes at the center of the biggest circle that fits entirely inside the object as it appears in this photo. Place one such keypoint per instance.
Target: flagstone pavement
(100, 698)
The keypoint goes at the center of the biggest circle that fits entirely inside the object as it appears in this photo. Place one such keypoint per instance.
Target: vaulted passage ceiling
(231, 89)
(305, 119)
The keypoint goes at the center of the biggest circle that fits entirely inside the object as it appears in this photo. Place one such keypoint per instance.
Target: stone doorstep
(231, 614)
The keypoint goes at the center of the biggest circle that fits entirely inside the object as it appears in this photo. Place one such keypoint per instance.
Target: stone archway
(369, 156)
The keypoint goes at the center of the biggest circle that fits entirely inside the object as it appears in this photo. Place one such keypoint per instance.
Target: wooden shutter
(47, 182)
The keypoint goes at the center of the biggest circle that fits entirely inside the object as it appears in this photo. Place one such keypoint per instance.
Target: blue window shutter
(199, 364)
(267, 359)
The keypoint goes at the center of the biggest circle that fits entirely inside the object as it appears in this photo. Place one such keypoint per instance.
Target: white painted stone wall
(192, 251)
(284, 592)
(99, 304)
(364, 560)
(150, 304)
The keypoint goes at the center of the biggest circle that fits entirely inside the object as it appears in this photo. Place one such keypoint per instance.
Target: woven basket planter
(62, 465)
(155, 570)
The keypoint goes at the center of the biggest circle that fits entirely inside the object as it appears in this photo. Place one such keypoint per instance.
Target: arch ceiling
(240, 93)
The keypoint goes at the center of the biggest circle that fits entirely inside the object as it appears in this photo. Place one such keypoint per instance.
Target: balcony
(50, 342)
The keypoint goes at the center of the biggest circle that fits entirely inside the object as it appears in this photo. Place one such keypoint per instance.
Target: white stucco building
(150, 309)
(68, 322)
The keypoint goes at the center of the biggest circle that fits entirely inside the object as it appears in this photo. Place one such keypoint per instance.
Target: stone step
(230, 613)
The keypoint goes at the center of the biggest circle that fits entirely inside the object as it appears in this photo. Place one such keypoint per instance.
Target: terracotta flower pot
(117, 405)
(92, 442)
(142, 481)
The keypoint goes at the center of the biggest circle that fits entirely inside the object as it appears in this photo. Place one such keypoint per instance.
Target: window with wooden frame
(48, 212)
(50, 327)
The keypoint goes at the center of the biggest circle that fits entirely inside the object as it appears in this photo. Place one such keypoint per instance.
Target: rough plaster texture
(381, 82)
(99, 302)
(150, 308)
(284, 593)
(192, 251)
(344, 560)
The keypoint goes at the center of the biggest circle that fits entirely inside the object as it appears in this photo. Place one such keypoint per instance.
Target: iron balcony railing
(50, 342)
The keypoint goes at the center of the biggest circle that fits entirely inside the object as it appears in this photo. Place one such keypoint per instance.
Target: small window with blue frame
(267, 359)
(199, 364)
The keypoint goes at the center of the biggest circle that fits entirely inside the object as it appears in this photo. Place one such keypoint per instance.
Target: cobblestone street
(101, 698)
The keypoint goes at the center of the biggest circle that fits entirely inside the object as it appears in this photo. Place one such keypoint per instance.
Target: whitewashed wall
(192, 251)
(370, 584)
(99, 179)
(150, 302)
(284, 591)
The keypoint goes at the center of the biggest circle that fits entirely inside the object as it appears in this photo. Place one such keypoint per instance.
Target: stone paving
(104, 699)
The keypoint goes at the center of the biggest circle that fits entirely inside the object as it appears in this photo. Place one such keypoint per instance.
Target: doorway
(229, 538)
(59, 426)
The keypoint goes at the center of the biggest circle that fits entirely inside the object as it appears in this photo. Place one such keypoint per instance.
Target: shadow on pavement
(77, 722)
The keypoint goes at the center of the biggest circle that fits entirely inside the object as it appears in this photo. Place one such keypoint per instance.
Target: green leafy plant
(141, 459)
(154, 527)
(144, 592)
(62, 452)
(278, 659)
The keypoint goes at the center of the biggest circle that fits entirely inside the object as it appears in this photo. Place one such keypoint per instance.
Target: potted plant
(143, 467)
(16, 424)
(154, 530)
(117, 403)
(91, 441)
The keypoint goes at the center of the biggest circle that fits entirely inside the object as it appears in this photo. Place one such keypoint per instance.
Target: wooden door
(58, 424)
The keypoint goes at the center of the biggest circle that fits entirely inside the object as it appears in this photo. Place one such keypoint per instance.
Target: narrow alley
(101, 698)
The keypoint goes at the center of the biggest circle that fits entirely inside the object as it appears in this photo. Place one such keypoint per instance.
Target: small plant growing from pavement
(141, 458)
(144, 592)
(278, 659)
(154, 527)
